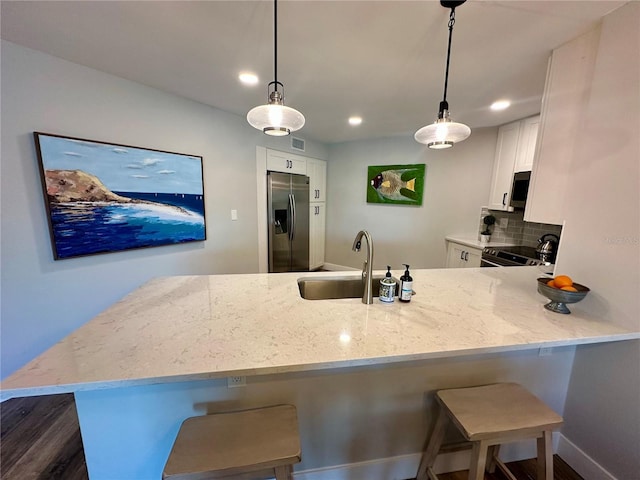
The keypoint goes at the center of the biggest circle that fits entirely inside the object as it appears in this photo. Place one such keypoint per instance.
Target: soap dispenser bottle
(406, 286)
(387, 287)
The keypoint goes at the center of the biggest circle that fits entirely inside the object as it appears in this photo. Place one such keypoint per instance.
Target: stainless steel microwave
(519, 190)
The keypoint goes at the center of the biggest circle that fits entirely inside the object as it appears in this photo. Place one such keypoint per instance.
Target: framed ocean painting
(395, 184)
(103, 197)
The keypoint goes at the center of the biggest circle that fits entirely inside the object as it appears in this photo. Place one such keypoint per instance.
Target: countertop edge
(301, 368)
(469, 241)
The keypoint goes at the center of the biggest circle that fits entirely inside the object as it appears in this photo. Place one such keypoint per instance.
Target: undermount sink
(325, 288)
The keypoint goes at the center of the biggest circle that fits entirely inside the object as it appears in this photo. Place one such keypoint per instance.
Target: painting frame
(398, 184)
(103, 197)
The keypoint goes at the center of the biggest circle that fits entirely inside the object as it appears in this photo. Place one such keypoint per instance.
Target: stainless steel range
(517, 256)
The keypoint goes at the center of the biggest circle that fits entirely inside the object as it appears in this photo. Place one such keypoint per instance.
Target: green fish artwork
(396, 184)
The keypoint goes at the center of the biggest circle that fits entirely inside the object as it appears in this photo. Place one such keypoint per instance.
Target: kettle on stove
(547, 249)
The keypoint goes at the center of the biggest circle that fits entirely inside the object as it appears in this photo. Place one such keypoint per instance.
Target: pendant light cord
(452, 21)
(275, 43)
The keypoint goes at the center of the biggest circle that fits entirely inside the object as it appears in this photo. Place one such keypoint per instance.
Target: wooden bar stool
(488, 416)
(250, 444)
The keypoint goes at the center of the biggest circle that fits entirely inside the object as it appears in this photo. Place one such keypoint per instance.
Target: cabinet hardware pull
(466, 256)
(462, 255)
(504, 199)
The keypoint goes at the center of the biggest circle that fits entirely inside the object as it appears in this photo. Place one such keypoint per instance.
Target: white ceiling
(383, 60)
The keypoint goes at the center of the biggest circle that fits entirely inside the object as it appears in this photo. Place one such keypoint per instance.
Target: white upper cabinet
(563, 109)
(514, 153)
(286, 162)
(527, 144)
(503, 166)
(317, 172)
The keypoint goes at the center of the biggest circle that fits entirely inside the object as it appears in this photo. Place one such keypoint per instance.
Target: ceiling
(382, 60)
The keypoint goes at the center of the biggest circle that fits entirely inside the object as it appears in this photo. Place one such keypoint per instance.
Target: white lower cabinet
(317, 219)
(462, 256)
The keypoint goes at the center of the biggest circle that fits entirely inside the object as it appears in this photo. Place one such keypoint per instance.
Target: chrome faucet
(367, 277)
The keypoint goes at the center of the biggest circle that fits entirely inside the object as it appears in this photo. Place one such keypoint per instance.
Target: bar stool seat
(488, 416)
(249, 444)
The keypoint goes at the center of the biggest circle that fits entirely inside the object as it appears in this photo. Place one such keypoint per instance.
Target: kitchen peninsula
(160, 354)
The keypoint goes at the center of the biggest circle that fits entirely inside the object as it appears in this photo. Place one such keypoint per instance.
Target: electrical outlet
(236, 382)
(504, 222)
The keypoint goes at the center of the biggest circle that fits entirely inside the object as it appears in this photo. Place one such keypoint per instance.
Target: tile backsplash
(517, 231)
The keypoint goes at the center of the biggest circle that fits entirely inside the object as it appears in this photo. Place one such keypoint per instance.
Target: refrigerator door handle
(292, 203)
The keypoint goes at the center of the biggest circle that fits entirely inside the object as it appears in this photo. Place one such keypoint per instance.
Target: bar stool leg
(545, 456)
(284, 472)
(492, 455)
(478, 460)
(433, 447)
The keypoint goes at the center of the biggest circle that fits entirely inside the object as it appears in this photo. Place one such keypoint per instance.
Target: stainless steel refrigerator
(288, 202)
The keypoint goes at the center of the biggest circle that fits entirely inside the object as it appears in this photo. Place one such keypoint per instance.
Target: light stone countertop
(197, 327)
(472, 241)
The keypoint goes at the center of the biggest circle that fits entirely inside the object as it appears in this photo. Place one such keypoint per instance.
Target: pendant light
(275, 118)
(443, 133)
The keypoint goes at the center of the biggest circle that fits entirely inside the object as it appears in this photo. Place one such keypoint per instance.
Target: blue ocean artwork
(106, 198)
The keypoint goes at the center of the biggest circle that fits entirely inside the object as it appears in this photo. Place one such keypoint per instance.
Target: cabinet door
(286, 163)
(317, 172)
(527, 143)
(317, 220)
(563, 106)
(472, 257)
(503, 166)
(455, 255)
(462, 256)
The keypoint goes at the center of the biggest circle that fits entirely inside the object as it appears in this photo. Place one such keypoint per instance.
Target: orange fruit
(551, 284)
(569, 288)
(563, 281)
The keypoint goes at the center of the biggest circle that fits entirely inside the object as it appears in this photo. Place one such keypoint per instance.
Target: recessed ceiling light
(500, 105)
(355, 121)
(248, 78)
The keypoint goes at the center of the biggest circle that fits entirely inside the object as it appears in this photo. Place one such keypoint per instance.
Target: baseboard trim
(582, 463)
(403, 467)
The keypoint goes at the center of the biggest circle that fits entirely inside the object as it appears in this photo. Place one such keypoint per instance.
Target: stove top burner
(513, 256)
(521, 250)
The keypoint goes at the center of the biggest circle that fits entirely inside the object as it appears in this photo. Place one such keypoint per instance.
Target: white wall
(601, 248)
(43, 300)
(456, 186)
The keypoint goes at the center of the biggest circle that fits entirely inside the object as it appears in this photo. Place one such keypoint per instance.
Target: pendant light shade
(275, 118)
(443, 133)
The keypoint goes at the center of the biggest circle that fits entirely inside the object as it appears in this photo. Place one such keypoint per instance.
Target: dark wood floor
(41, 441)
(523, 470)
